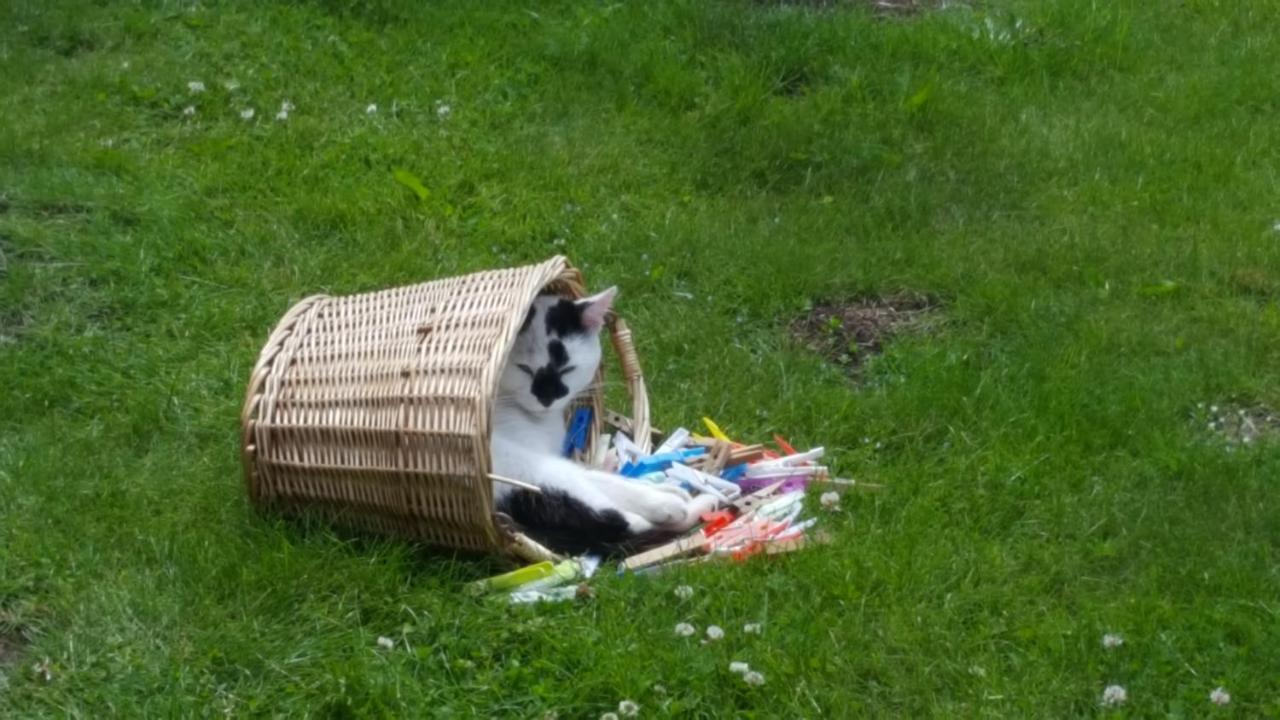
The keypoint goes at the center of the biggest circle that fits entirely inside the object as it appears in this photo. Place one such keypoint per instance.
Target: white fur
(527, 436)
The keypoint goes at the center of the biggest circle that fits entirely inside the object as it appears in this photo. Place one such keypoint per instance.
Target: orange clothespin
(783, 445)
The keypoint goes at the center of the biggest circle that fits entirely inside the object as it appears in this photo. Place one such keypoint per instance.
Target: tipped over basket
(376, 409)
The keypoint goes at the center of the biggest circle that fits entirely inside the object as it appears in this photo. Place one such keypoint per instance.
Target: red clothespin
(716, 521)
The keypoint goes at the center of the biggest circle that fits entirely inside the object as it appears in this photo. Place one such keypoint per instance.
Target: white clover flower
(684, 592)
(627, 708)
(609, 716)
(443, 110)
(753, 678)
(751, 628)
(1114, 695)
(685, 630)
(372, 109)
(286, 106)
(1111, 640)
(1220, 697)
(282, 115)
(830, 500)
(231, 85)
(247, 114)
(739, 667)
(386, 643)
(189, 110)
(195, 86)
(715, 632)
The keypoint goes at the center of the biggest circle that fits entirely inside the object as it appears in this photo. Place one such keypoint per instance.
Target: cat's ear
(595, 308)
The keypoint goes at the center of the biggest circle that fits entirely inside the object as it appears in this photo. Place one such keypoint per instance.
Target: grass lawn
(1091, 190)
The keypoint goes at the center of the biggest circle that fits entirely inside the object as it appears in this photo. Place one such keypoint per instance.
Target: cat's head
(555, 356)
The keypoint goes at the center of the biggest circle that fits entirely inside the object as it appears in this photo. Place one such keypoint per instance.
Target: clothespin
(783, 445)
(715, 522)
(513, 579)
(674, 441)
(627, 450)
(795, 460)
(715, 430)
(600, 458)
(576, 438)
(761, 470)
(660, 462)
(698, 542)
(726, 491)
(623, 423)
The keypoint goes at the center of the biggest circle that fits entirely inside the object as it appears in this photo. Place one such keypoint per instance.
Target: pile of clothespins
(760, 490)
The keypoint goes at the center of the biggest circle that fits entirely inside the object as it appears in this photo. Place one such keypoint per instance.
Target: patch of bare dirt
(11, 645)
(848, 332)
(1238, 424)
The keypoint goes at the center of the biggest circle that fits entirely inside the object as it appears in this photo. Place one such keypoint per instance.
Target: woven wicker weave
(377, 408)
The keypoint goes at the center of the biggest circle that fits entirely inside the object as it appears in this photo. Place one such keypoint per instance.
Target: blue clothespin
(734, 472)
(658, 463)
(576, 437)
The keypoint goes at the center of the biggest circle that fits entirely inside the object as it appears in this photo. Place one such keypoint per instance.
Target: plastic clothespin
(561, 573)
(658, 463)
(715, 430)
(674, 441)
(576, 438)
(734, 472)
(795, 460)
(783, 445)
(513, 579)
(627, 450)
(601, 453)
(716, 521)
(703, 482)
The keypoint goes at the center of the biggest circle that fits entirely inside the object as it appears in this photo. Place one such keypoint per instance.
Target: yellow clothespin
(715, 430)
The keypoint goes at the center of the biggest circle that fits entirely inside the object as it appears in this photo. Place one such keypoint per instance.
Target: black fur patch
(559, 356)
(565, 318)
(528, 319)
(567, 525)
(547, 386)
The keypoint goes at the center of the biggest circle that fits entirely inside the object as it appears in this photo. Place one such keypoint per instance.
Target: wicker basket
(377, 408)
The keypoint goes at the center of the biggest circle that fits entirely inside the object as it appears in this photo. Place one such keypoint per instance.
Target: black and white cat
(580, 509)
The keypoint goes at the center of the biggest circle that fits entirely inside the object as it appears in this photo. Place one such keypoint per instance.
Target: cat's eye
(525, 369)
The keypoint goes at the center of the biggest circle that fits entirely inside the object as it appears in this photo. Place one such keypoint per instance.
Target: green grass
(1044, 168)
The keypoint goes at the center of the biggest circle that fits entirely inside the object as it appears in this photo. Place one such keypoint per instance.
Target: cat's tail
(567, 525)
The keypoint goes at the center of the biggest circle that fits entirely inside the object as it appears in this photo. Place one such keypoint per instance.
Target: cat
(579, 509)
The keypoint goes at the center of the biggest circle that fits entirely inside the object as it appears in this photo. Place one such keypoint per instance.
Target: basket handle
(630, 361)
